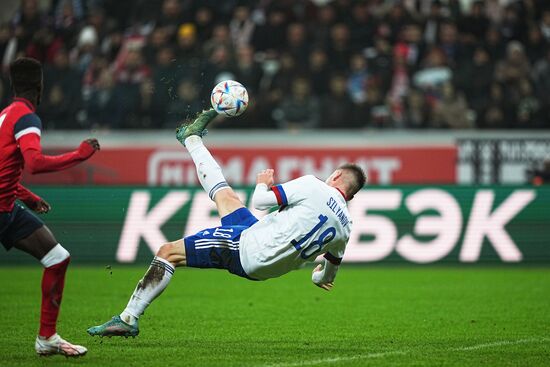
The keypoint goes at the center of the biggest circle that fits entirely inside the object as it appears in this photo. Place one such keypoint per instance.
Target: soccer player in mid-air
(312, 219)
(20, 130)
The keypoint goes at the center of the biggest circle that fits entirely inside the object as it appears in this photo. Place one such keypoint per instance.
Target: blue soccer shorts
(219, 247)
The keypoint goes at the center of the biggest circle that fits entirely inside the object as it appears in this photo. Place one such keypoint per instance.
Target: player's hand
(88, 147)
(326, 286)
(266, 177)
(41, 207)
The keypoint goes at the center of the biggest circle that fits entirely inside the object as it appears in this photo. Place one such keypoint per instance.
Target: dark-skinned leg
(42, 245)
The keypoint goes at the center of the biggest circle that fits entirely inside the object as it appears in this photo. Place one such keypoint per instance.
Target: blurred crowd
(456, 64)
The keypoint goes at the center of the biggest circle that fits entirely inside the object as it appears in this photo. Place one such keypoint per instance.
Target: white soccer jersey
(313, 220)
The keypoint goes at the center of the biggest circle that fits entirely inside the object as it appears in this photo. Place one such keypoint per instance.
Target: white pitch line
(501, 343)
(407, 351)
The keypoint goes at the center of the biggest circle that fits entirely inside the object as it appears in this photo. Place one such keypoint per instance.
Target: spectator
(83, 54)
(337, 107)
(300, 109)
(362, 26)
(536, 45)
(476, 23)
(241, 26)
(545, 25)
(165, 77)
(515, 66)
(358, 79)
(541, 77)
(171, 17)
(435, 71)
(528, 109)
(297, 44)
(130, 75)
(27, 21)
(415, 47)
(380, 62)
(321, 28)
(432, 25)
(44, 45)
(449, 44)
(475, 79)
(219, 67)
(451, 111)
(339, 50)
(272, 35)
(247, 70)
(220, 38)
(511, 26)
(396, 20)
(494, 44)
(204, 22)
(541, 175)
(417, 111)
(68, 15)
(185, 106)
(158, 39)
(496, 114)
(102, 108)
(318, 71)
(60, 103)
(399, 85)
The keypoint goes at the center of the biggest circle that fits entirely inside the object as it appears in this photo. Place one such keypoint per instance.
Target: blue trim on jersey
(26, 121)
(284, 199)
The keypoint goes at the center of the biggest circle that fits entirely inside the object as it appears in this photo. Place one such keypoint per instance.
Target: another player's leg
(153, 283)
(42, 245)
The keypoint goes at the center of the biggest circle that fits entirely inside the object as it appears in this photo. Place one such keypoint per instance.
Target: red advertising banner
(170, 167)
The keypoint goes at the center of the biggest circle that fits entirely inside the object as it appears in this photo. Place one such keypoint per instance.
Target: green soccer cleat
(114, 327)
(197, 127)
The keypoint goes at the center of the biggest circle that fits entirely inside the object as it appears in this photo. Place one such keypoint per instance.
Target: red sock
(53, 282)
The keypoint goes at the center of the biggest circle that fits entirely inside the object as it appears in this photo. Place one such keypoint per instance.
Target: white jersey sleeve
(312, 220)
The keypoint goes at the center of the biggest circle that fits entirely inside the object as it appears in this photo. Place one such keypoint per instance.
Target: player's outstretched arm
(36, 162)
(263, 198)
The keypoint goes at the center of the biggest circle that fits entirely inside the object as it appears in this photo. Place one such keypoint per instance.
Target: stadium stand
(147, 64)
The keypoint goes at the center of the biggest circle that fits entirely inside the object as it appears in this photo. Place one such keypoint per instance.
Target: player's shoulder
(311, 179)
(29, 123)
(21, 112)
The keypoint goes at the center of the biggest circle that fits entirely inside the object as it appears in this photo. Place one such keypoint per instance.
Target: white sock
(209, 172)
(55, 256)
(152, 284)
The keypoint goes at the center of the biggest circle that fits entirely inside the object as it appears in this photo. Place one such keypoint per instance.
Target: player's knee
(55, 256)
(226, 195)
(165, 251)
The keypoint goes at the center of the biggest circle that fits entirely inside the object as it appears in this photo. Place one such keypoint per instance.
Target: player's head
(349, 177)
(26, 78)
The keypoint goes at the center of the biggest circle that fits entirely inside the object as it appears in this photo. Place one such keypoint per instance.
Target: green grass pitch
(375, 315)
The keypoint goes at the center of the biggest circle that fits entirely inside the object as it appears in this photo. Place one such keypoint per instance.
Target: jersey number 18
(315, 246)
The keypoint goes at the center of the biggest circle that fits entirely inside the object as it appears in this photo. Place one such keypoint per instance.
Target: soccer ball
(229, 98)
